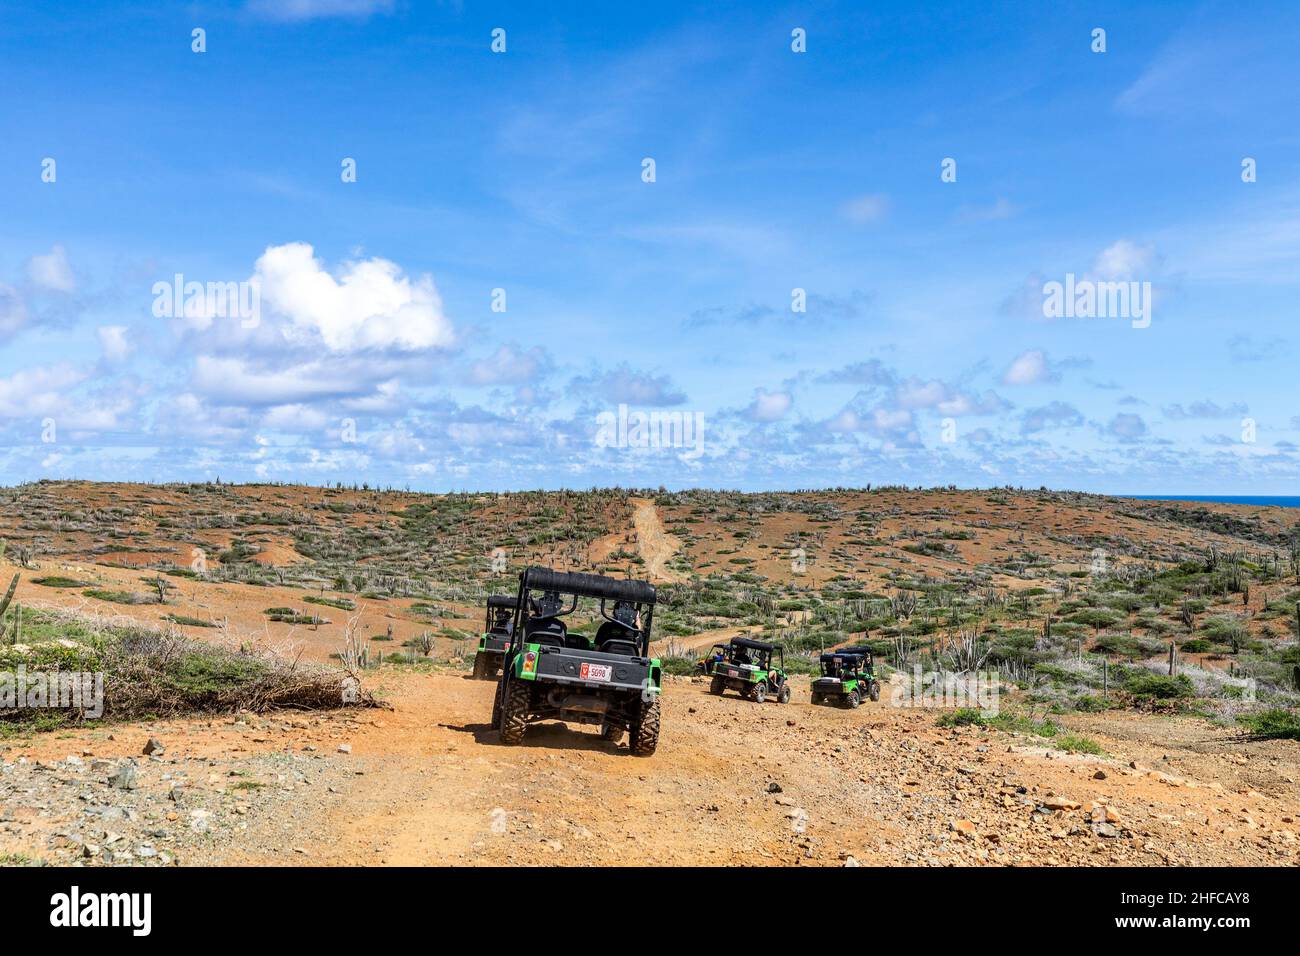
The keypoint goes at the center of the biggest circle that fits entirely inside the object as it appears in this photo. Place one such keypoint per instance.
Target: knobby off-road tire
(853, 699)
(480, 667)
(611, 733)
(716, 687)
(875, 690)
(645, 731)
(759, 692)
(784, 696)
(514, 712)
(816, 699)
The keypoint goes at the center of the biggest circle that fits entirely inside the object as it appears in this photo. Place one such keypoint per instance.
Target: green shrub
(1276, 722)
(961, 717)
(1090, 703)
(679, 666)
(1160, 686)
(342, 603)
(1096, 618)
(119, 597)
(1073, 743)
(188, 621)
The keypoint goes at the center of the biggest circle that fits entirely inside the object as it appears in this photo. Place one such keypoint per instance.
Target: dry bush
(160, 672)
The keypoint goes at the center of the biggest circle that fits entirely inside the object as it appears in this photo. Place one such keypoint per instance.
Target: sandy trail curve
(703, 640)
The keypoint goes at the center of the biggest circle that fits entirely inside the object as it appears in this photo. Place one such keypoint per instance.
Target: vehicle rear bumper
(564, 666)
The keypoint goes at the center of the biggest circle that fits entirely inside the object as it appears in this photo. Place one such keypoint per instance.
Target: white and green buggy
(848, 677)
(496, 637)
(754, 668)
(608, 679)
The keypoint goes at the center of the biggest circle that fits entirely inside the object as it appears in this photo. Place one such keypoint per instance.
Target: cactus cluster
(18, 611)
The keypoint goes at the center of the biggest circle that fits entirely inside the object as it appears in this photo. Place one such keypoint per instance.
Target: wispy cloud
(300, 10)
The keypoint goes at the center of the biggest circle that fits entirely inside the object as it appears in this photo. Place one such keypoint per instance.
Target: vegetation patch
(188, 621)
(1276, 723)
(342, 603)
(120, 597)
(151, 673)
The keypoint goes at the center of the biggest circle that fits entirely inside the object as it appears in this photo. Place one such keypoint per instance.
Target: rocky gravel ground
(161, 807)
(734, 782)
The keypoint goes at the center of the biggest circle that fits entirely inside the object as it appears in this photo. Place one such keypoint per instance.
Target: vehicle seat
(577, 642)
(546, 630)
(616, 638)
(620, 646)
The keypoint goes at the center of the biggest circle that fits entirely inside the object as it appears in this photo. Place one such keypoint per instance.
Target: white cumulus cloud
(369, 304)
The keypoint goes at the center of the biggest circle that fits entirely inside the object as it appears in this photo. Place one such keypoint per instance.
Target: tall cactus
(9, 596)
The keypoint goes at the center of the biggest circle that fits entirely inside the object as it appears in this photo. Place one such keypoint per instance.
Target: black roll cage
(854, 661)
(640, 595)
(497, 602)
(762, 648)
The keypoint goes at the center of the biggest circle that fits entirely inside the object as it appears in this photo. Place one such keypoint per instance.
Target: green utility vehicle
(848, 678)
(550, 673)
(749, 668)
(496, 637)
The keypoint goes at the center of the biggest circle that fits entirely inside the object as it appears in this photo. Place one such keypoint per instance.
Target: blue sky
(923, 356)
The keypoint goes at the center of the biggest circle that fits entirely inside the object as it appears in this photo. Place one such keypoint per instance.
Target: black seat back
(620, 646)
(616, 638)
(545, 630)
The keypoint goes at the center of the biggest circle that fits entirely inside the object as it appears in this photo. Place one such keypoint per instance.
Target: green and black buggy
(496, 637)
(748, 667)
(848, 678)
(609, 679)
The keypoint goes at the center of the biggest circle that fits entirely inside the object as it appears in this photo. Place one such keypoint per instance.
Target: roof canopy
(501, 600)
(756, 645)
(588, 585)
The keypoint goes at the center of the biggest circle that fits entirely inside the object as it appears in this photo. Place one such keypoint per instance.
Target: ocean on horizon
(1279, 501)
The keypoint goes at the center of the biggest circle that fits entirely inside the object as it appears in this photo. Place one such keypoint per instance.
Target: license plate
(597, 671)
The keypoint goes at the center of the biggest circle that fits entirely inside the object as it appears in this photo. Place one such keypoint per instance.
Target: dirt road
(701, 641)
(733, 783)
(740, 783)
(655, 545)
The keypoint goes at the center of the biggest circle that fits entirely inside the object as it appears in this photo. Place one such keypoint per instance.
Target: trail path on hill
(703, 640)
(655, 545)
